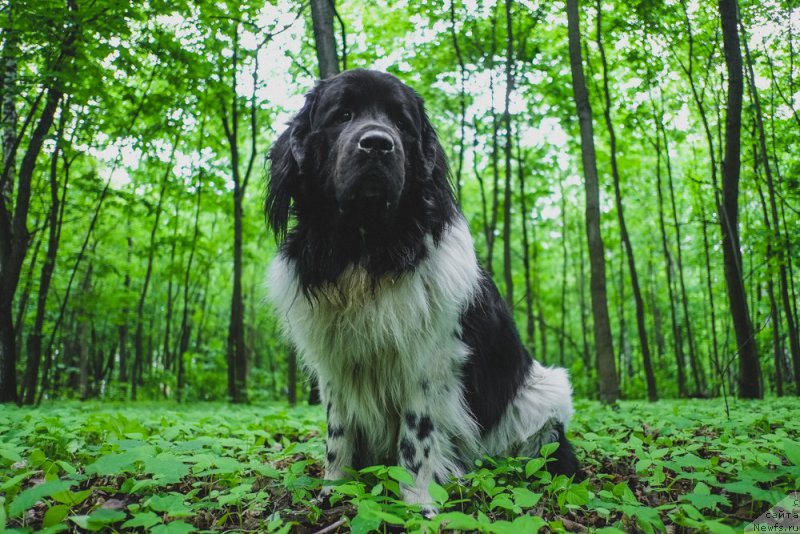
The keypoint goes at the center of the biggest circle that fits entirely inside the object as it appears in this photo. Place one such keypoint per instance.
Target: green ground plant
(167, 468)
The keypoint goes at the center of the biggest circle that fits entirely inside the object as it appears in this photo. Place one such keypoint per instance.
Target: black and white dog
(378, 286)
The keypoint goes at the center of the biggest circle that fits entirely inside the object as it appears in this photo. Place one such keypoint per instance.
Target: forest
(629, 171)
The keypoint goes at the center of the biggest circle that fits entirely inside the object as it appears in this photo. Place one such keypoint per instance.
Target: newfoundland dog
(377, 285)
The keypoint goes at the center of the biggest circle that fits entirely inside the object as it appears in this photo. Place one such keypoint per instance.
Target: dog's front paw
(421, 497)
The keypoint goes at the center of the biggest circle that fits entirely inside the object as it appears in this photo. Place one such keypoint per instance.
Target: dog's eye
(345, 115)
(402, 124)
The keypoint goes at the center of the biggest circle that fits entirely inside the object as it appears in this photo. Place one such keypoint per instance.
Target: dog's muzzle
(370, 172)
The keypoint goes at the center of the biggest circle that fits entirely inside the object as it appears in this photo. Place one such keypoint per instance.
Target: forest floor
(671, 466)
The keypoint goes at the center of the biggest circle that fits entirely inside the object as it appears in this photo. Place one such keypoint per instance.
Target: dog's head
(359, 152)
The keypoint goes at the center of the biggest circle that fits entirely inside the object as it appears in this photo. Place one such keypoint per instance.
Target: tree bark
(604, 350)
(749, 367)
(526, 252)
(677, 338)
(652, 392)
(236, 350)
(138, 338)
(462, 100)
(54, 234)
(507, 275)
(322, 22)
(185, 326)
(783, 282)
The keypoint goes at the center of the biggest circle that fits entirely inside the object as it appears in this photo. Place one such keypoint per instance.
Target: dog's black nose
(376, 142)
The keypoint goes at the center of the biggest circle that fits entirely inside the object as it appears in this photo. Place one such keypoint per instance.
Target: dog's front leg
(340, 445)
(425, 447)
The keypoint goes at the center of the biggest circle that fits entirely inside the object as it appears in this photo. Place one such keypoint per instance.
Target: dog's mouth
(369, 197)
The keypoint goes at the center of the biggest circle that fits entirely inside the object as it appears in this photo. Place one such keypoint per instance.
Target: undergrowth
(667, 467)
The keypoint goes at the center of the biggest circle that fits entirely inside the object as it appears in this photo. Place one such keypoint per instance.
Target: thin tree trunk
(322, 22)
(507, 276)
(783, 283)
(697, 370)
(138, 338)
(24, 297)
(604, 350)
(185, 326)
(774, 315)
(669, 269)
(83, 334)
(35, 338)
(710, 290)
(495, 167)
(123, 327)
(652, 392)
(583, 307)
(526, 252)
(749, 367)
(236, 353)
(167, 353)
(462, 100)
(564, 260)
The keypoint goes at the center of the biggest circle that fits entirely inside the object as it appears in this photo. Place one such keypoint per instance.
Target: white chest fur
(374, 341)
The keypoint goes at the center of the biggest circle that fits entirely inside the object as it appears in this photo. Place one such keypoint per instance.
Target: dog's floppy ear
(435, 159)
(287, 158)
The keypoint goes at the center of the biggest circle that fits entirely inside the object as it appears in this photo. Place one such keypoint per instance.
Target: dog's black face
(363, 172)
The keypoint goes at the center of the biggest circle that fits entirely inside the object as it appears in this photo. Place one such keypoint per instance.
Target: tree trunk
(783, 281)
(138, 337)
(775, 319)
(495, 167)
(652, 392)
(462, 101)
(236, 351)
(507, 276)
(564, 260)
(749, 368)
(669, 269)
(167, 356)
(697, 370)
(322, 21)
(54, 234)
(526, 252)
(604, 350)
(13, 226)
(185, 326)
(83, 334)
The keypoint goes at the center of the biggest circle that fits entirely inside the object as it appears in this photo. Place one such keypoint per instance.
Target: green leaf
(114, 464)
(438, 493)
(99, 519)
(171, 504)
(400, 475)
(142, 519)
(577, 494)
(528, 524)
(525, 498)
(55, 515)
(792, 451)
(456, 521)
(704, 500)
(31, 496)
(548, 449)
(175, 527)
(72, 498)
(533, 466)
(167, 468)
(363, 523)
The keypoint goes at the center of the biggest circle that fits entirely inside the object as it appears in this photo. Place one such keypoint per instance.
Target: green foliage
(169, 468)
